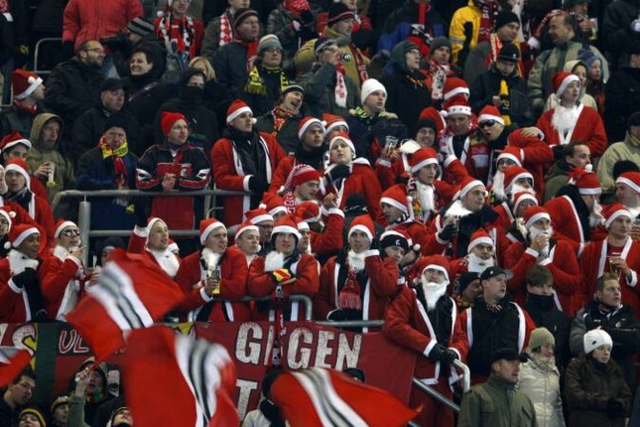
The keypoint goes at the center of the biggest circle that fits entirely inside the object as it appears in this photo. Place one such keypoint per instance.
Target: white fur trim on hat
(62, 227)
(437, 267)
(346, 140)
(151, 223)
(261, 218)
(368, 87)
(329, 128)
(536, 217)
(590, 191)
(509, 156)
(566, 82)
(486, 117)
(286, 229)
(394, 203)
(475, 183)
(22, 236)
(480, 240)
(360, 227)
(457, 91)
(209, 229)
(303, 226)
(8, 216)
(236, 113)
(33, 85)
(615, 215)
(425, 162)
(627, 181)
(20, 170)
(522, 175)
(526, 196)
(278, 209)
(247, 228)
(308, 124)
(459, 109)
(22, 141)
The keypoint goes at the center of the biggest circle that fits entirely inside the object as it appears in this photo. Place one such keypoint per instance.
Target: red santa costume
(37, 207)
(570, 216)
(425, 320)
(562, 125)
(594, 262)
(300, 174)
(229, 167)
(329, 241)
(558, 257)
(15, 138)
(295, 274)
(509, 188)
(62, 277)
(397, 197)
(167, 259)
(356, 286)
(473, 263)
(631, 180)
(274, 205)
(231, 268)
(534, 155)
(362, 180)
(20, 297)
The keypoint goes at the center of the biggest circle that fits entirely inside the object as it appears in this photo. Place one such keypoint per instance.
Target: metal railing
(36, 52)
(439, 397)
(308, 303)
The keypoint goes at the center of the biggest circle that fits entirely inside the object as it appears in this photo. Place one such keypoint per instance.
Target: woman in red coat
(216, 271)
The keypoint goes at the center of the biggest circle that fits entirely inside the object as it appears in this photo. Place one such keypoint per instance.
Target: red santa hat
(562, 80)
(468, 184)
(513, 174)
(480, 237)
(258, 215)
(286, 224)
(302, 225)
(12, 139)
(586, 182)
(535, 213)
(299, 175)
(436, 262)
(434, 115)
(332, 121)
(521, 197)
(245, 226)
(61, 225)
(207, 226)
(459, 107)
(455, 86)
(343, 137)
(7, 213)
(151, 222)
(490, 112)
(397, 197)
(363, 223)
(308, 212)
(307, 122)
(20, 166)
(273, 204)
(20, 232)
(632, 179)
(24, 83)
(236, 108)
(614, 211)
(423, 157)
(168, 119)
(512, 153)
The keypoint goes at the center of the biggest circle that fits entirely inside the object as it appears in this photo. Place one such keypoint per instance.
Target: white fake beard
(167, 261)
(475, 264)
(595, 217)
(355, 261)
(426, 197)
(433, 292)
(456, 210)
(564, 119)
(635, 212)
(211, 258)
(18, 262)
(273, 261)
(535, 232)
(517, 188)
(497, 185)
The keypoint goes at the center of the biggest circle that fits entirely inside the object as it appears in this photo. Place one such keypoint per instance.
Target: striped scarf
(226, 29)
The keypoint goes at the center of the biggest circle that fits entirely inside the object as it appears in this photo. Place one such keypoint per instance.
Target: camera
(116, 42)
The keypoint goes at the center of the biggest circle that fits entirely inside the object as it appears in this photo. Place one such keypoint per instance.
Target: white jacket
(543, 388)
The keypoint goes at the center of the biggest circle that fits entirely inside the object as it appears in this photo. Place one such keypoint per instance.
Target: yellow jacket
(470, 13)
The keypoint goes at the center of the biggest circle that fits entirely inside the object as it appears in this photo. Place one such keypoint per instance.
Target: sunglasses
(487, 124)
(70, 233)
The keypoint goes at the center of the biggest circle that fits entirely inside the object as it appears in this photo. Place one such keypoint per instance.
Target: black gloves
(615, 409)
(28, 276)
(448, 232)
(340, 171)
(442, 354)
(257, 186)
(466, 46)
(142, 209)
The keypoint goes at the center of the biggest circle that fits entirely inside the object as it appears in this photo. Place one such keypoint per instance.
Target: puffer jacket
(587, 390)
(543, 388)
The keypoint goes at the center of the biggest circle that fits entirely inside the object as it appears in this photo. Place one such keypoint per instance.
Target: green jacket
(496, 403)
(629, 149)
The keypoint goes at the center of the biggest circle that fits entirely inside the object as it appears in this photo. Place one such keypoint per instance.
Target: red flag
(172, 377)
(12, 361)
(132, 293)
(318, 397)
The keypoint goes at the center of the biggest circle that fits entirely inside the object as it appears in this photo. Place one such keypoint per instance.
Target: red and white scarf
(178, 34)
(487, 21)
(226, 29)
(340, 91)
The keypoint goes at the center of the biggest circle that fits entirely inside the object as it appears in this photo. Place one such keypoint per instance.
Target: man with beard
(17, 395)
(243, 160)
(618, 254)
(540, 249)
(576, 211)
(285, 121)
(608, 313)
(513, 180)
(216, 271)
(494, 322)
(572, 121)
(356, 284)
(480, 255)
(424, 319)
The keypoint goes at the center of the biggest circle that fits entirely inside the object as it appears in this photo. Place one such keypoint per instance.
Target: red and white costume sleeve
(14, 300)
(229, 175)
(233, 285)
(62, 278)
(331, 240)
(535, 154)
(589, 128)
(566, 223)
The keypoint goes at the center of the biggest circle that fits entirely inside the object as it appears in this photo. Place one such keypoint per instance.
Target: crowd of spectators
(468, 172)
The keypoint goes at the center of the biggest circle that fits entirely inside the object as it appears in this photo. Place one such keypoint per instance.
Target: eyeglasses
(95, 50)
(70, 233)
(487, 124)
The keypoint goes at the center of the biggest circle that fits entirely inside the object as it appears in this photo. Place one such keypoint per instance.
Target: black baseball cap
(494, 271)
(508, 353)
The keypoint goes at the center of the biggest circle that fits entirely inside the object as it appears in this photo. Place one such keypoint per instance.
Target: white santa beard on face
(595, 217)
(635, 211)
(426, 197)
(355, 261)
(211, 258)
(18, 262)
(475, 264)
(564, 119)
(497, 186)
(433, 292)
(167, 260)
(517, 188)
(535, 232)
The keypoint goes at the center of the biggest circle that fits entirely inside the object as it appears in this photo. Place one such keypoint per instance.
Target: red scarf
(5, 7)
(296, 6)
(340, 91)
(349, 296)
(31, 110)
(181, 31)
(487, 22)
(226, 29)
(252, 50)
